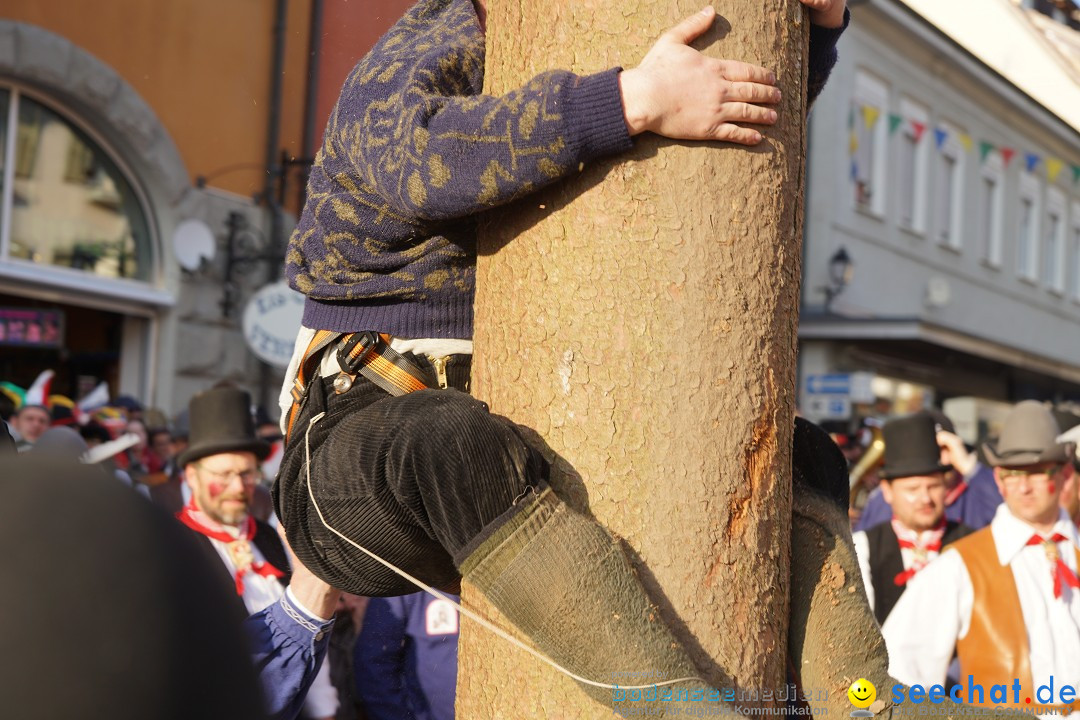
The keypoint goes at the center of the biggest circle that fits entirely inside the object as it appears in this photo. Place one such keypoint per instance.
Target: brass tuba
(870, 459)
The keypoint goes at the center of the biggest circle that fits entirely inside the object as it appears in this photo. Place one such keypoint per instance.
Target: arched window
(64, 201)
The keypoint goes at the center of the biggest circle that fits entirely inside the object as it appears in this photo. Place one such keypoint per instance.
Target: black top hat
(221, 422)
(911, 447)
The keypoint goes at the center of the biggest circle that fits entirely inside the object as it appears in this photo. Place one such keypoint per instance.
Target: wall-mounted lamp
(841, 270)
(244, 247)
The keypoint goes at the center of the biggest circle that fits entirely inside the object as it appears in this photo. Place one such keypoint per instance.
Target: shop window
(68, 204)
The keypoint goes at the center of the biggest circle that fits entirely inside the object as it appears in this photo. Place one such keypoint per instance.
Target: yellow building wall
(202, 65)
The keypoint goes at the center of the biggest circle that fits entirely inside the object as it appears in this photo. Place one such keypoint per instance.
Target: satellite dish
(193, 242)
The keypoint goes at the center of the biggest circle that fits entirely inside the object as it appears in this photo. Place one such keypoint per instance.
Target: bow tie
(1061, 572)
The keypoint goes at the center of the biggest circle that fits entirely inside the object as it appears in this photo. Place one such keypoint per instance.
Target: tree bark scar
(757, 469)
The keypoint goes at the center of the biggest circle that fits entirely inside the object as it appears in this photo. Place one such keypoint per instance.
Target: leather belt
(364, 353)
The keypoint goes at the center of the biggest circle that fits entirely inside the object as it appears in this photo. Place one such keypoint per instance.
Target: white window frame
(1052, 271)
(872, 91)
(1074, 252)
(990, 218)
(913, 187)
(131, 289)
(948, 223)
(1027, 259)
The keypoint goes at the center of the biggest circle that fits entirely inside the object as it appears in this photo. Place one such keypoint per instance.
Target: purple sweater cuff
(596, 111)
(823, 45)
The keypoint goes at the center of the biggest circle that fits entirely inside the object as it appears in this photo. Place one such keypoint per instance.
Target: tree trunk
(642, 318)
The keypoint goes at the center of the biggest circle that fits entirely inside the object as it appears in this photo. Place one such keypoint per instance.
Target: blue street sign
(830, 384)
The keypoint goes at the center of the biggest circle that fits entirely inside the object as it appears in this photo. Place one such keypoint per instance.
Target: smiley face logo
(862, 693)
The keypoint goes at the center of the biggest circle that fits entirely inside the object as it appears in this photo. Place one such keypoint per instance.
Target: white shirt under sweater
(862, 551)
(261, 592)
(432, 347)
(935, 610)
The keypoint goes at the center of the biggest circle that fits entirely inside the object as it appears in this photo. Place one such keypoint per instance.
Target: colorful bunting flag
(965, 140)
(870, 115)
(853, 142)
(894, 122)
(1076, 174)
(1007, 155)
(1031, 161)
(984, 150)
(918, 128)
(940, 136)
(1053, 168)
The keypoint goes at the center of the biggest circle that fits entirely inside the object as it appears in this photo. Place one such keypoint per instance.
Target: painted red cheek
(215, 489)
(1050, 487)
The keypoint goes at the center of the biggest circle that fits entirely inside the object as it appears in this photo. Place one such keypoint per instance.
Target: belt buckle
(348, 358)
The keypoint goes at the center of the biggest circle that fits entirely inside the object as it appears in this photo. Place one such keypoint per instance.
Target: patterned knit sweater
(413, 150)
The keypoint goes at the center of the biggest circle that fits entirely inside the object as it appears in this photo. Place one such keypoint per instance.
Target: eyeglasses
(1013, 476)
(247, 477)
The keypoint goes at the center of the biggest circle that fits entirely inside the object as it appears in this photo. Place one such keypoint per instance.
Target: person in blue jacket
(406, 658)
(973, 498)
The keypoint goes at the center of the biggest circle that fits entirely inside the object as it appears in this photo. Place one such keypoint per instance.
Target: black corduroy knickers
(418, 480)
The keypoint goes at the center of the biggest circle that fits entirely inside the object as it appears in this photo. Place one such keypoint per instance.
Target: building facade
(942, 253)
(152, 161)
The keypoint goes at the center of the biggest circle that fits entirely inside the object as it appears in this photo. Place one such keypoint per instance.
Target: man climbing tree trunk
(642, 319)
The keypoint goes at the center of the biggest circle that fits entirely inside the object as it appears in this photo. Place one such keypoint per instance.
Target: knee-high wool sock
(564, 581)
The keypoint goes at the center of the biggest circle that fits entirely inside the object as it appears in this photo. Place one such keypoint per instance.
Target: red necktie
(1061, 572)
(910, 540)
(239, 547)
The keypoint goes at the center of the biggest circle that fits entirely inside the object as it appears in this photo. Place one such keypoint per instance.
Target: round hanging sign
(271, 321)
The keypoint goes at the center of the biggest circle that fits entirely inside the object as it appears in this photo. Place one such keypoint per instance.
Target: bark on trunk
(642, 318)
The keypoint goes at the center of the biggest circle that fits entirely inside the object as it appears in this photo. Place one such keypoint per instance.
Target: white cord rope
(461, 608)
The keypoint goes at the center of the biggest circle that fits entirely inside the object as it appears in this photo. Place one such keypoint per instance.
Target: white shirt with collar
(935, 611)
(259, 591)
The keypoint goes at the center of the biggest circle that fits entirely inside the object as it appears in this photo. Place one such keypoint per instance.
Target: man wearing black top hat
(913, 483)
(221, 467)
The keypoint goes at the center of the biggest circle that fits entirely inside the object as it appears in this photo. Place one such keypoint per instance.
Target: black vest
(886, 563)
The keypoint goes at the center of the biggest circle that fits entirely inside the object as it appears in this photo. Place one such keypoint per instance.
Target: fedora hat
(221, 422)
(1029, 437)
(911, 447)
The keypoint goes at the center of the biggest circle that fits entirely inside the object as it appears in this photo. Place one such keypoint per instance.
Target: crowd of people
(969, 556)
(210, 467)
(960, 547)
